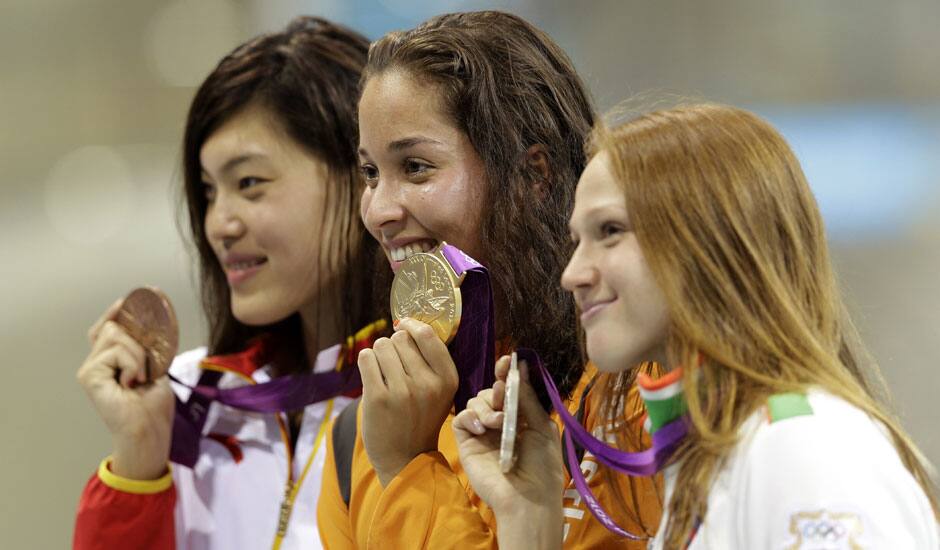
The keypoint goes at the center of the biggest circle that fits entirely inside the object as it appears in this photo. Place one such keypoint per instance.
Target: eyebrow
(594, 211)
(408, 142)
(404, 143)
(233, 162)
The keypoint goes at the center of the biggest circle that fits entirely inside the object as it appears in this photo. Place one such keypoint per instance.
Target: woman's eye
(370, 174)
(610, 230)
(249, 182)
(416, 167)
(208, 191)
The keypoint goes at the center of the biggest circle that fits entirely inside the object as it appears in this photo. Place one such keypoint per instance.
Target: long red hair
(734, 237)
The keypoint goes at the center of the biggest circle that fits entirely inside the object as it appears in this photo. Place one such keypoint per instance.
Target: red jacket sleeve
(116, 513)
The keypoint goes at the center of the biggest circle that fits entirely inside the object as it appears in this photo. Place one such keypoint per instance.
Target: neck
(658, 355)
(321, 322)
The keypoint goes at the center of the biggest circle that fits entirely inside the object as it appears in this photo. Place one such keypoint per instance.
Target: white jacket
(826, 478)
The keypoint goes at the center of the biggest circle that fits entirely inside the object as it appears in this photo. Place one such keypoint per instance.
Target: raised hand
(137, 413)
(408, 387)
(527, 501)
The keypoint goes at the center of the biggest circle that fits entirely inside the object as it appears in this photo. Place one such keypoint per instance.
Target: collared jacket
(809, 470)
(430, 503)
(234, 496)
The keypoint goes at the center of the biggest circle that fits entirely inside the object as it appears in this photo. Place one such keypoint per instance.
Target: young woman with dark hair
(472, 131)
(272, 185)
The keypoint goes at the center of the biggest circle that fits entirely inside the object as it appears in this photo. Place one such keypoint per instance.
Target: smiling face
(623, 311)
(425, 183)
(265, 205)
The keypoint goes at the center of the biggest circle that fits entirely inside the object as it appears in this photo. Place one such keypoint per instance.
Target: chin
(605, 359)
(613, 357)
(256, 315)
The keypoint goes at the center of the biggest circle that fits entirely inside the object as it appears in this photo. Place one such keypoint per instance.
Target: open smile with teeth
(409, 250)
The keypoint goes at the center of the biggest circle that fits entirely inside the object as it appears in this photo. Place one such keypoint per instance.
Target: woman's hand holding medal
(408, 386)
(409, 380)
(528, 496)
(124, 375)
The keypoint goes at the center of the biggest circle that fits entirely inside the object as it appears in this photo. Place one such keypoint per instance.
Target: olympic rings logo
(823, 530)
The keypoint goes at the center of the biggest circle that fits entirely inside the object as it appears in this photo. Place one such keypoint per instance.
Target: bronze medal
(425, 288)
(147, 316)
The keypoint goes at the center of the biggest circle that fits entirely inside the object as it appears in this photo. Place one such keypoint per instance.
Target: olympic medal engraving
(425, 288)
(148, 317)
(507, 443)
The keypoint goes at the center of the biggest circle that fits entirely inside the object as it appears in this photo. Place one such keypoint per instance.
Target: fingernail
(395, 323)
(478, 426)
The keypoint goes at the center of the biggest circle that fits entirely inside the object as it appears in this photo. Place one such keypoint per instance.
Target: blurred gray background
(93, 95)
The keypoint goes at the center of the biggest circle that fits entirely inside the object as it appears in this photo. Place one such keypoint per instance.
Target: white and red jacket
(232, 498)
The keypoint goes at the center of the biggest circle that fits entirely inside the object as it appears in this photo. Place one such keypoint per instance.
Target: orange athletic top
(430, 503)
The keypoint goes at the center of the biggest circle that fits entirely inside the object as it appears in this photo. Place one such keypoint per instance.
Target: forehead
(598, 186)
(395, 104)
(251, 130)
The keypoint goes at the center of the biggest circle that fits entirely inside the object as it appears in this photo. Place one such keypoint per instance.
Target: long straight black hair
(307, 77)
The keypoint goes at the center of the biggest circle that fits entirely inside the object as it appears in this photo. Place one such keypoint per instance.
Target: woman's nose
(579, 272)
(383, 209)
(224, 223)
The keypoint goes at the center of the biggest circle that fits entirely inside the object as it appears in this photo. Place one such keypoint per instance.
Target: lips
(241, 267)
(238, 266)
(589, 310)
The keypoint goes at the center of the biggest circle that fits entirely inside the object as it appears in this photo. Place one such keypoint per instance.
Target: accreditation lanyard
(293, 488)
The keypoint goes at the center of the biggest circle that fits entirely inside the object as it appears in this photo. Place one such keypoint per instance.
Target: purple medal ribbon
(188, 419)
(284, 393)
(641, 464)
(474, 347)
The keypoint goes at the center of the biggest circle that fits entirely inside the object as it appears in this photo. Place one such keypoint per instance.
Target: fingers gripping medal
(426, 288)
(507, 444)
(147, 316)
(450, 291)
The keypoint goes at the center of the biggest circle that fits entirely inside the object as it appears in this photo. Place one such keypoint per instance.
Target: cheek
(643, 310)
(289, 235)
(267, 229)
(436, 206)
(653, 302)
(458, 211)
(364, 201)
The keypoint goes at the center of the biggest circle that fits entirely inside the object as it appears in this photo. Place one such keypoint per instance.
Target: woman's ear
(537, 160)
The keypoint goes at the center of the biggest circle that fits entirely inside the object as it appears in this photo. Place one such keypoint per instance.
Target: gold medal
(426, 288)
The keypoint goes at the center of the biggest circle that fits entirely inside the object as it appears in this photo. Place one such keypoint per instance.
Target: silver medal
(507, 457)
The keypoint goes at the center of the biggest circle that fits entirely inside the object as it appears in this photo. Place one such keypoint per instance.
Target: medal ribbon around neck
(474, 347)
(284, 393)
(148, 317)
(640, 464)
